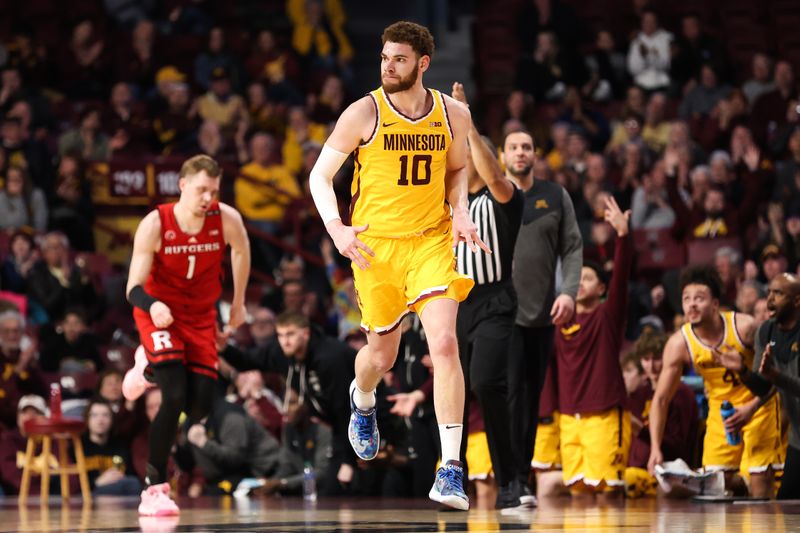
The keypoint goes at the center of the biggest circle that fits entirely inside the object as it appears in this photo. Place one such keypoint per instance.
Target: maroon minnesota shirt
(587, 349)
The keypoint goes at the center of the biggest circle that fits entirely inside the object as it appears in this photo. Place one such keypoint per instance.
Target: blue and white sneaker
(363, 432)
(448, 488)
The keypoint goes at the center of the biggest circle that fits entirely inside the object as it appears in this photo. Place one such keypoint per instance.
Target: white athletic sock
(450, 437)
(363, 400)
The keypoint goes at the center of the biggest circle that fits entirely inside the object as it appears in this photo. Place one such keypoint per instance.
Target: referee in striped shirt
(486, 317)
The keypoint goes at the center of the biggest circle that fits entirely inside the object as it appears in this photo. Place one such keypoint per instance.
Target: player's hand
(459, 94)
(197, 435)
(730, 359)
(346, 240)
(405, 402)
(741, 416)
(767, 366)
(236, 318)
(160, 315)
(615, 216)
(562, 310)
(345, 474)
(464, 230)
(656, 458)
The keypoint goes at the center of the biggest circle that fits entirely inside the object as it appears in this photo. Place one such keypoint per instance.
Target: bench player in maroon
(174, 282)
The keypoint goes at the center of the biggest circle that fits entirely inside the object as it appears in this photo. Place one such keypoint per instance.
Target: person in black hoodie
(320, 369)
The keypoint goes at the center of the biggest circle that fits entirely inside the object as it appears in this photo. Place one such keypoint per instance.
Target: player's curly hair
(702, 275)
(412, 34)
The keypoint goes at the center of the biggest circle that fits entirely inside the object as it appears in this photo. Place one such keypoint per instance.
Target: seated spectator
(26, 153)
(592, 122)
(298, 131)
(329, 104)
(728, 114)
(129, 416)
(136, 59)
(650, 204)
(13, 443)
(87, 139)
(265, 115)
(68, 346)
(760, 82)
(175, 126)
(551, 70)
(215, 57)
(140, 448)
(655, 131)
(633, 374)
(682, 417)
(263, 190)
(20, 371)
(787, 183)
(607, 70)
(649, 54)
(262, 327)
(220, 104)
(108, 462)
(305, 441)
(748, 294)
(227, 447)
(559, 132)
(125, 121)
(21, 204)
(773, 262)
(694, 48)
(628, 130)
(769, 113)
(728, 262)
(318, 35)
(268, 61)
(259, 402)
(704, 96)
(57, 282)
(16, 266)
(83, 64)
(71, 207)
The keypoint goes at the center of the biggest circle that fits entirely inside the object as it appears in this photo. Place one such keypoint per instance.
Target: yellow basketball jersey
(721, 384)
(398, 184)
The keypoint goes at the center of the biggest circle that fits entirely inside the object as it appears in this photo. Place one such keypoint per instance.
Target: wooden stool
(60, 429)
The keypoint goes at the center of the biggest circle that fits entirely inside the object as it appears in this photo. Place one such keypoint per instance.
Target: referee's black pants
(485, 323)
(531, 350)
(790, 482)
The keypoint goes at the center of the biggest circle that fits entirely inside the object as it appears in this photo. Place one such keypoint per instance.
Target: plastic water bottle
(309, 484)
(727, 410)
(55, 400)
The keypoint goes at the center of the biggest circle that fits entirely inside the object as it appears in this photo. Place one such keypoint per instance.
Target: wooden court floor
(398, 516)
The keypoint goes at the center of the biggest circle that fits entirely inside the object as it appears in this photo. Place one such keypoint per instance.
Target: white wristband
(320, 182)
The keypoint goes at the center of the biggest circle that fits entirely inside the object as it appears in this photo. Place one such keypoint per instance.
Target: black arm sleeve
(139, 298)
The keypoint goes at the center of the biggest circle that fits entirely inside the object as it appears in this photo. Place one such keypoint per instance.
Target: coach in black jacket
(320, 369)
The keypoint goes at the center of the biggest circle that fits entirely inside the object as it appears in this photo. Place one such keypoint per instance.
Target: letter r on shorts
(161, 340)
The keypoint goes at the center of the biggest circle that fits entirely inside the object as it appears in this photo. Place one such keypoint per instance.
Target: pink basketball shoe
(156, 501)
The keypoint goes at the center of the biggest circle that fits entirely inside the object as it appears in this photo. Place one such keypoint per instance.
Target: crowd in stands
(659, 114)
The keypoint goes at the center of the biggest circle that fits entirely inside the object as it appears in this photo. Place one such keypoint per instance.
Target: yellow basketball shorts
(547, 450)
(405, 275)
(478, 458)
(594, 448)
(761, 446)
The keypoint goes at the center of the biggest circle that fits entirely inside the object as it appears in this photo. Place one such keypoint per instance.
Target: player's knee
(381, 362)
(443, 345)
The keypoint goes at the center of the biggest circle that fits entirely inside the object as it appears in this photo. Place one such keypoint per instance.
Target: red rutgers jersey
(187, 269)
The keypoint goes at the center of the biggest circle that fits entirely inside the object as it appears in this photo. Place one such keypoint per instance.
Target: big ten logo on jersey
(161, 340)
(435, 124)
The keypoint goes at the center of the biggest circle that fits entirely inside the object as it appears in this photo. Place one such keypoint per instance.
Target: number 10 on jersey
(415, 164)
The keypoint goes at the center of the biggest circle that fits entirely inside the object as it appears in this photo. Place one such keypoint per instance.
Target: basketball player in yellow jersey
(707, 331)
(410, 151)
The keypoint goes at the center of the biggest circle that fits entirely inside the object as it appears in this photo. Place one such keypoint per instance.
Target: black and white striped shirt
(498, 225)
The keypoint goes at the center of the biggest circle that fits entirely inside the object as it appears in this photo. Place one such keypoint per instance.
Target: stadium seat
(701, 251)
(657, 250)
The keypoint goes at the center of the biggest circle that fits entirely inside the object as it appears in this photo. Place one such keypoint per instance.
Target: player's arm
(236, 236)
(675, 356)
(456, 176)
(356, 123)
(145, 244)
(484, 158)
